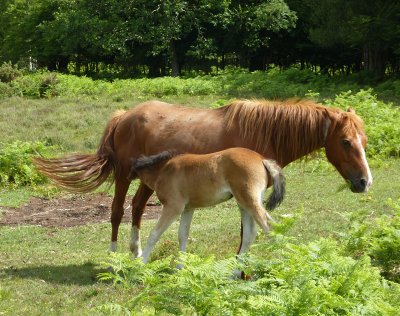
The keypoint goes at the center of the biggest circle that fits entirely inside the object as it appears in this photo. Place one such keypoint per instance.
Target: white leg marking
(113, 246)
(249, 231)
(365, 162)
(184, 228)
(248, 236)
(135, 244)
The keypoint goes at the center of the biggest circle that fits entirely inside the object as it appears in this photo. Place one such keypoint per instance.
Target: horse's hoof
(244, 276)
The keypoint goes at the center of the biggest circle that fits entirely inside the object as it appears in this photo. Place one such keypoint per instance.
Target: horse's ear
(351, 110)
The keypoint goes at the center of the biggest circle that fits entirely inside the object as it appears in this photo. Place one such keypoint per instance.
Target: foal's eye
(346, 143)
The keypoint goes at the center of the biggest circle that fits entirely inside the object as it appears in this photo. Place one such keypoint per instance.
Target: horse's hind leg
(168, 215)
(138, 205)
(117, 209)
(184, 228)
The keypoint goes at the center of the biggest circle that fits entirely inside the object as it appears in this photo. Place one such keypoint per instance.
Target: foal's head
(345, 149)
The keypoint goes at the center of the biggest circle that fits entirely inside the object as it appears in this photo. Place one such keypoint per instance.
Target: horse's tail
(82, 173)
(146, 162)
(278, 184)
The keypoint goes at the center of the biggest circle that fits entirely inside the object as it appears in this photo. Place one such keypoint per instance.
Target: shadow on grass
(84, 274)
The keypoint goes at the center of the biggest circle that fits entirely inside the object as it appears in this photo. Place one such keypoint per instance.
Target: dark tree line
(168, 37)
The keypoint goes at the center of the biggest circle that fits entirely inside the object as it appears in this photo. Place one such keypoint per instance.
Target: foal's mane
(293, 127)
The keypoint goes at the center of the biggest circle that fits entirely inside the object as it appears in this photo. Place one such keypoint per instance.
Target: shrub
(8, 72)
(16, 168)
(6, 90)
(44, 84)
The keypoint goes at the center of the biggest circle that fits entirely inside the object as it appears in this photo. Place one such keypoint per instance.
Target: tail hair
(278, 184)
(146, 162)
(81, 173)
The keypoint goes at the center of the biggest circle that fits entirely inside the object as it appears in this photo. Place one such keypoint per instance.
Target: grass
(53, 271)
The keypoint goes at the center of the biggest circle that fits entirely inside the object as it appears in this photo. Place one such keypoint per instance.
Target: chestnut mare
(186, 182)
(280, 130)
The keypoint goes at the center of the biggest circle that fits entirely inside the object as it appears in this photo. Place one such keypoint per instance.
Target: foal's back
(206, 180)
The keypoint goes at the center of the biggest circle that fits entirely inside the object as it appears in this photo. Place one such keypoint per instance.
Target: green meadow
(332, 251)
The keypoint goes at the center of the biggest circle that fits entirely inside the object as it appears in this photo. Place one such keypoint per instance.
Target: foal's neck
(149, 176)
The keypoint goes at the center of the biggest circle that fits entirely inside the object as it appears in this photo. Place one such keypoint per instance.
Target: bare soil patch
(68, 211)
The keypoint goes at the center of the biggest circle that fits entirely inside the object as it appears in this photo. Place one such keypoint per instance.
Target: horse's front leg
(139, 202)
(168, 215)
(117, 210)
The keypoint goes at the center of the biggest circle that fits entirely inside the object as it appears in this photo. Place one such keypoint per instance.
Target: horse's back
(154, 126)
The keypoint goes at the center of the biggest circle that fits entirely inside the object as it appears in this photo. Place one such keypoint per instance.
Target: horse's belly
(208, 197)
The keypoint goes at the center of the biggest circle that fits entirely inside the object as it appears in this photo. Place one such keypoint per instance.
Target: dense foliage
(319, 278)
(159, 37)
(232, 83)
(379, 238)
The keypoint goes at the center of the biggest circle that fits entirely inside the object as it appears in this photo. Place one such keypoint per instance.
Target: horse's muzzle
(359, 185)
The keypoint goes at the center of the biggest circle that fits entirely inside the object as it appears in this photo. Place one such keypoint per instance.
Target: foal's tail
(82, 173)
(278, 183)
(146, 162)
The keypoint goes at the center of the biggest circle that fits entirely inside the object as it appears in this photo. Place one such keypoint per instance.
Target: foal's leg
(248, 235)
(249, 231)
(117, 209)
(184, 228)
(138, 205)
(168, 215)
(251, 201)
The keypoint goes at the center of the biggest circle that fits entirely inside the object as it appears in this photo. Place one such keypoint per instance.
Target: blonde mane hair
(293, 126)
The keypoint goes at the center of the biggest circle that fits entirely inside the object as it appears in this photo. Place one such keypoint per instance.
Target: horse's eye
(346, 143)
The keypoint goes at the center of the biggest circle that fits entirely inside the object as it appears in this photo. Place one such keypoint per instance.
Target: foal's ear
(351, 110)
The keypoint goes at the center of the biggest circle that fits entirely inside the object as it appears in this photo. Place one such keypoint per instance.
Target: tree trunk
(374, 59)
(174, 59)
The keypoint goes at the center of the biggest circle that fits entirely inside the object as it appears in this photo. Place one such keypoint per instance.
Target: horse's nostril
(363, 182)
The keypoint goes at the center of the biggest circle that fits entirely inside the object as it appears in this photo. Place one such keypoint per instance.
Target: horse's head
(345, 149)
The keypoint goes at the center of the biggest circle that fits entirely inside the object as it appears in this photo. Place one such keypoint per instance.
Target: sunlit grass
(53, 271)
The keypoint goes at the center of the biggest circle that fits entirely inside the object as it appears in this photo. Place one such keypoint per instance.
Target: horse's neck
(305, 145)
(285, 160)
(290, 149)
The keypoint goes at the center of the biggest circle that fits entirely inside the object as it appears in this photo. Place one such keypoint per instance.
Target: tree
(370, 29)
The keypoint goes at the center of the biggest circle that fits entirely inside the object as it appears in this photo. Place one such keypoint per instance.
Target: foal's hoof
(110, 269)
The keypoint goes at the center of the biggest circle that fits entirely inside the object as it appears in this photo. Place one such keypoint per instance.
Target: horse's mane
(294, 126)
